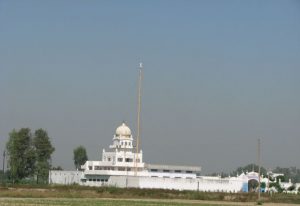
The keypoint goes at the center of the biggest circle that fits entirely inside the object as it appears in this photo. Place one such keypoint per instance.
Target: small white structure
(121, 166)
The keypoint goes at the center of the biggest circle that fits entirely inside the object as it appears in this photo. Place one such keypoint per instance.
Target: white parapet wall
(197, 184)
(65, 177)
(176, 183)
(168, 183)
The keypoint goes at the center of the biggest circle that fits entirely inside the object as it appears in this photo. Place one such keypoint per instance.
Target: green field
(35, 195)
(90, 202)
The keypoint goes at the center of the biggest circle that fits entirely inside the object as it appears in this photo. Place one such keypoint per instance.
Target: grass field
(35, 195)
(93, 202)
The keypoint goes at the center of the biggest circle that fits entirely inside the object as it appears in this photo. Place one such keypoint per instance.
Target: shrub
(259, 202)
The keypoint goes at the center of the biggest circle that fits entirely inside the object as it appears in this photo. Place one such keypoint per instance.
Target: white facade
(65, 177)
(122, 166)
(122, 160)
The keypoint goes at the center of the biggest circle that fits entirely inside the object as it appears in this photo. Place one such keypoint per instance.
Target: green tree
(289, 173)
(80, 156)
(281, 178)
(249, 168)
(277, 186)
(291, 188)
(21, 154)
(43, 151)
(57, 168)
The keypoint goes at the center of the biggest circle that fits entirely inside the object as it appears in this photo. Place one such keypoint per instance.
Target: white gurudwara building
(122, 159)
(122, 166)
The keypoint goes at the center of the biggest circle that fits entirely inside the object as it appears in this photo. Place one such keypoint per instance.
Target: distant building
(121, 159)
(122, 166)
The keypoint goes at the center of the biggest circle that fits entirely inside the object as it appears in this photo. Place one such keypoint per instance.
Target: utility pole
(3, 175)
(258, 161)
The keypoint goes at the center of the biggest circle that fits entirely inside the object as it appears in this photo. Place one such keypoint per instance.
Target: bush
(259, 202)
(291, 188)
(277, 186)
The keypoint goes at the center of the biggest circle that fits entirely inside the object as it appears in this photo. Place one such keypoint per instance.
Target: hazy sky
(218, 75)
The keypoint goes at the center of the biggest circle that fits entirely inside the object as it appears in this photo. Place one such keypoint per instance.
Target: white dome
(123, 130)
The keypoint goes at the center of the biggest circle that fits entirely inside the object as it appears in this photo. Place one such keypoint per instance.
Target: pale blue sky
(218, 75)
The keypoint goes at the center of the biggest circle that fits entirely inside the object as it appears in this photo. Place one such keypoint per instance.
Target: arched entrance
(252, 185)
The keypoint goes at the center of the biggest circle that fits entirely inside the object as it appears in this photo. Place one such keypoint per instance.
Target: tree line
(29, 156)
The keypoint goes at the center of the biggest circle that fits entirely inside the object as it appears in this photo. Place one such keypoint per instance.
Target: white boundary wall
(200, 184)
(65, 177)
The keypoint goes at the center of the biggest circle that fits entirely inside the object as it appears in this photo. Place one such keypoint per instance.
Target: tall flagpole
(138, 118)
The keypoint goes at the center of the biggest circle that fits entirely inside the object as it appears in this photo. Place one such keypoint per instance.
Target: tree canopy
(43, 150)
(21, 154)
(289, 173)
(80, 156)
(28, 155)
(249, 168)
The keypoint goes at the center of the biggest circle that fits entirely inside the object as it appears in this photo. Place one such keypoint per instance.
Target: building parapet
(173, 167)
